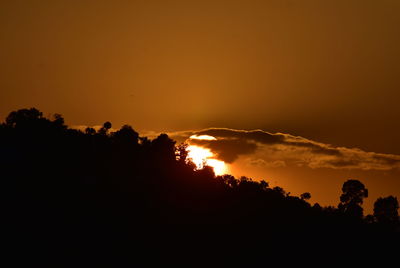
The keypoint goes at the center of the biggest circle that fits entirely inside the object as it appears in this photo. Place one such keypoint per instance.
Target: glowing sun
(204, 157)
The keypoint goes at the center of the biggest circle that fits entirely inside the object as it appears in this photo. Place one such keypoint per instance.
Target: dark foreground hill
(89, 198)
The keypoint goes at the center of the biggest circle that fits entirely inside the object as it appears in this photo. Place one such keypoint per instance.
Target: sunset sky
(304, 94)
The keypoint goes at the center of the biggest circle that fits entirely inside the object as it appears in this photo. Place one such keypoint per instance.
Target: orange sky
(324, 70)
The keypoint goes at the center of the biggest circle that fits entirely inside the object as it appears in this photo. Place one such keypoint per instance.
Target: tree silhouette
(105, 128)
(90, 131)
(58, 120)
(107, 125)
(305, 196)
(386, 210)
(352, 198)
(24, 117)
(126, 135)
(182, 153)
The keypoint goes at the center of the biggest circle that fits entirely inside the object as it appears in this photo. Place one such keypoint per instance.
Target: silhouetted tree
(164, 147)
(264, 185)
(126, 135)
(352, 198)
(229, 180)
(317, 206)
(24, 117)
(58, 120)
(279, 190)
(90, 131)
(105, 128)
(386, 210)
(182, 153)
(305, 196)
(107, 125)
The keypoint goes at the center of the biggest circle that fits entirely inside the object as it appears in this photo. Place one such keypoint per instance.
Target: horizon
(254, 158)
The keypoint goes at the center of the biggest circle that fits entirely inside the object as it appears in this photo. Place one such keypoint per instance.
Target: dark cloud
(263, 163)
(254, 135)
(388, 159)
(341, 163)
(231, 143)
(264, 137)
(315, 148)
(227, 150)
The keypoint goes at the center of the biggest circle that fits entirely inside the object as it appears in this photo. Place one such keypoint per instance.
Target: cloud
(226, 149)
(278, 149)
(254, 135)
(262, 163)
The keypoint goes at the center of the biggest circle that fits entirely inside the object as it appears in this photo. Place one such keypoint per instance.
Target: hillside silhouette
(99, 196)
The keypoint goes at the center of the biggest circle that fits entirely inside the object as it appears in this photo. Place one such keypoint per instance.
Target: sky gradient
(326, 71)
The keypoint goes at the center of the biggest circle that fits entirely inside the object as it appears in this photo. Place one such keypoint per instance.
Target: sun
(201, 156)
(204, 157)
